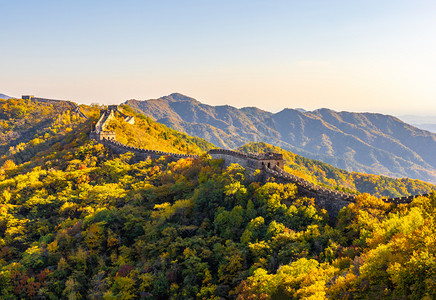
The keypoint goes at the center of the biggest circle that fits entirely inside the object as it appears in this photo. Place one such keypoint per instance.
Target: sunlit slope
(325, 174)
(148, 134)
(37, 132)
(30, 128)
(95, 226)
(77, 221)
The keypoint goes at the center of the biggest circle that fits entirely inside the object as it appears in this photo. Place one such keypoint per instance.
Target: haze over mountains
(424, 122)
(363, 142)
(3, 96)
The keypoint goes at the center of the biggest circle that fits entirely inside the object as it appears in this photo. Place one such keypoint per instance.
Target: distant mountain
(423, 122)
(3, 96)
(428, 127)
(361, 142)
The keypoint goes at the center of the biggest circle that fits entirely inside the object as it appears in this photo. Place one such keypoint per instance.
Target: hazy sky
(367, 55)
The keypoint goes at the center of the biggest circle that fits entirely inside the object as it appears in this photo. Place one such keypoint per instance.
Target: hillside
(77, 221)
(360, 142)
(148, 134)
(326, 175)
(93, 225)
(37, 133)
(35, 130)
(28, 128)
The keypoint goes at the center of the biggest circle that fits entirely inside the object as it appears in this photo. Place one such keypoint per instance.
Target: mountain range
(362, 142)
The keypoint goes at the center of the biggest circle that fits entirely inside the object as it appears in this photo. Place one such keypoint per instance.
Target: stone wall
(251, 161)
(74, 107)
(230, 157)
(99, 133)
(333, 201)
(404, 200)
(141, 154)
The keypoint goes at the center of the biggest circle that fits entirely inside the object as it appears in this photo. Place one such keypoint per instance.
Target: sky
(377, 56)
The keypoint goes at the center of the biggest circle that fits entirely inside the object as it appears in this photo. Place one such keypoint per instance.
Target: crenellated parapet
(115, 109)
(74, 107)
(404, 200)
(308, 186)
(99, 133)
(252, 161)
(333, 201)
(141, 153)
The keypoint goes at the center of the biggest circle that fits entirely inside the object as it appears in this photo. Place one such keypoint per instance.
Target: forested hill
(360, 142)
(148, 134)
(78, 222)
(326, 175)
(37, 132)
(29, 128)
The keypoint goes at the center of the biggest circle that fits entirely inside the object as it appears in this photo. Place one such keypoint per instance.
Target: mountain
(146, 133)
(34, 131)
(360, 142)
(3, 96)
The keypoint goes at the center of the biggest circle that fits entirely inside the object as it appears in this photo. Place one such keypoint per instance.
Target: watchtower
(268, 160)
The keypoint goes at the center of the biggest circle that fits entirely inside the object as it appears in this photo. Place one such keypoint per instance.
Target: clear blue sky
(346, 55)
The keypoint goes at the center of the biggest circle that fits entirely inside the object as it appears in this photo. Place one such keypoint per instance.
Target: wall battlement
(140, 153)
(270, 163)
(253, 161)
(74, 107)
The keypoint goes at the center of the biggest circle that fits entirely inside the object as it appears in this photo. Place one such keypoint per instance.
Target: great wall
(74, 107)
(270, 164)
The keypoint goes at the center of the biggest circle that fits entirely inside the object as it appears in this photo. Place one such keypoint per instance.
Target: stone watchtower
(99, 133)
(269, 160)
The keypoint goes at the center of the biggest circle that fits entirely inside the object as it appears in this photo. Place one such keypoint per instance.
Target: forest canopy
(77, 221)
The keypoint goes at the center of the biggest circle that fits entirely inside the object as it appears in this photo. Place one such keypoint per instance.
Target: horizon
(406, 116)
(372, 56)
